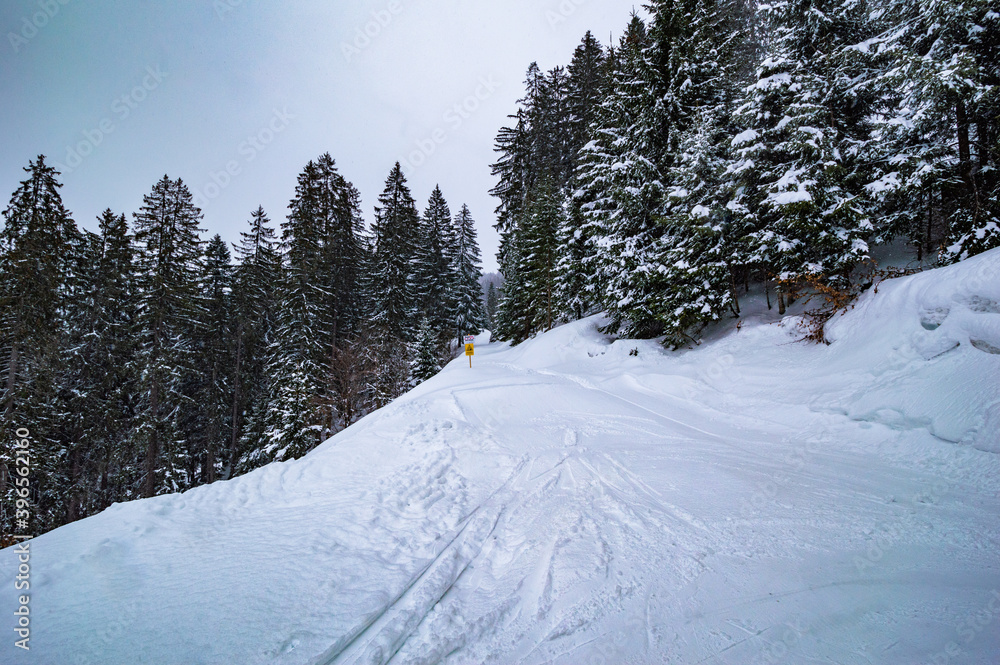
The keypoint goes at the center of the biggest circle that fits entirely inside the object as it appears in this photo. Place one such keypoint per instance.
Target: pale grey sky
(235, 96)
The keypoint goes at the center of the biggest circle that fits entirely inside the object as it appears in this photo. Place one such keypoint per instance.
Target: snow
(788, 198)
(744, 137)
(579, 500)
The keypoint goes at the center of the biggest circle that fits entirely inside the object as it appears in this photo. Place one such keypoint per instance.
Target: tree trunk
(73, 512)
(8, 410)
(237, 398)
(105, 491)
(153, 446)
(734, 290)
(964, 153)
(208, 473)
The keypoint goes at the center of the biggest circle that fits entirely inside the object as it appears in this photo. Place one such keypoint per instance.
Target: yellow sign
(470, 349)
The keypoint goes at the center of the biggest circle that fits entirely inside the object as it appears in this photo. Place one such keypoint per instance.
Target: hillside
(582, 500)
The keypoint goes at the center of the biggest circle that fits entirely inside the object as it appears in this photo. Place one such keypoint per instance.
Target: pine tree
(76, 403)
(208, 422)
(702, 57)
(255, 294)
(116, 334)
(319, 313)
(587, 74)
(514, 320)
(541, 236)
(426, 353)
(575, 288)
(392, 279)
(539, 159)
(937, 144)
(40, 256)
(621, 189)
(435, 268)
(102, 461)
(169, 266)
(800, 173)
(468, 316)
(492, 301)
(529, 303)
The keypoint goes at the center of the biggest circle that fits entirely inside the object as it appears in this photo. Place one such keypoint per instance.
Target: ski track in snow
(752, 501)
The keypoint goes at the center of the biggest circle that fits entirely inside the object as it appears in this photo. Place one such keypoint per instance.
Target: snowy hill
(576, 500)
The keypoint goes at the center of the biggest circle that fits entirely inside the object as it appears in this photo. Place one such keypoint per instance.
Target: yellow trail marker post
(470, 348)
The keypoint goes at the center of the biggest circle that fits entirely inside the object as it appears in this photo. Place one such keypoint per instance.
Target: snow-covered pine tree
(434, 269)
(40, 259)
(492, 300)
(468, 315)
(77, 405)
(392, 301)
(426, 353)
(529, 303)
(541, 240)
(702, 58)
(207, 416)
(588, 76)
(98, 377)
(621, 188)
(937, 145)
(800, 174)
(574, 288)
(539, 151)
(36, 270)
(111, 344)
(169, 266)
(514, 320)
(390, 289)
(319, 312)
(255, 291)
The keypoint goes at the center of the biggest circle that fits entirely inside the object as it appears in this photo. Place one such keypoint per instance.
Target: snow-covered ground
(576, 500)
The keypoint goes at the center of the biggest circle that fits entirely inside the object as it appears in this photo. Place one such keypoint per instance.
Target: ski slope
(578, 500)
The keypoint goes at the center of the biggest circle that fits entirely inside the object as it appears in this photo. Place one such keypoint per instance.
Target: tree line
(144, 360)
(723, 142)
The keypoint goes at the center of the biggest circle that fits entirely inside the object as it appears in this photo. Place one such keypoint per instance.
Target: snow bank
(937, 329)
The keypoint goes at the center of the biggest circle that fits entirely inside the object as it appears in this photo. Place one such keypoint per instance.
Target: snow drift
(582, 500)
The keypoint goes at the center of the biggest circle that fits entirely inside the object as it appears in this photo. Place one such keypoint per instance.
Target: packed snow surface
(580, 500)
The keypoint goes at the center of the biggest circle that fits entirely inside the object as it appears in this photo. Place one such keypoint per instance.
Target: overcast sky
(236, 96)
